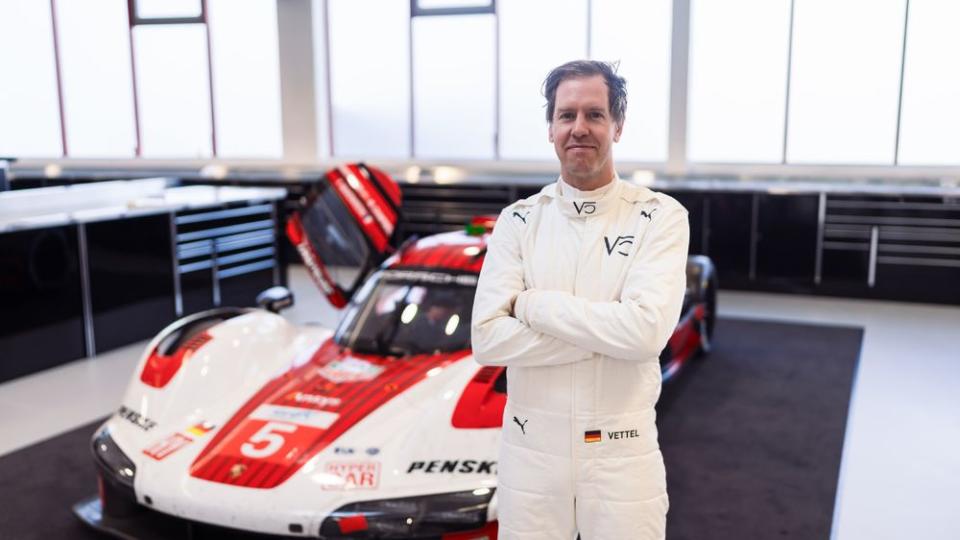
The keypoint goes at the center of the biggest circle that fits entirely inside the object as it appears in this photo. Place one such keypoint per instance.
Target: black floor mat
(751, 436)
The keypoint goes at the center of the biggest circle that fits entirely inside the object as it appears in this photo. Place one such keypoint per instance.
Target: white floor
(900, 474)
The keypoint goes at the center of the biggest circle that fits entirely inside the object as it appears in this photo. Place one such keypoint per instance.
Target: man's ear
(550, 132)
(618, 132)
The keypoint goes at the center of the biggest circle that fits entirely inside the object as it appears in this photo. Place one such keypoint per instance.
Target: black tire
(709, 320)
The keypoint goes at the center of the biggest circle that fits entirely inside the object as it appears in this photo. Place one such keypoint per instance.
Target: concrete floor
(900, 473)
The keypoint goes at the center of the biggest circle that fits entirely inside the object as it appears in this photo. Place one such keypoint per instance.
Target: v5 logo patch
(586, 207)
(620, 244)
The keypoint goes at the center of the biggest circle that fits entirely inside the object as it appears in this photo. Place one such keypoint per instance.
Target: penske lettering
(454, 466)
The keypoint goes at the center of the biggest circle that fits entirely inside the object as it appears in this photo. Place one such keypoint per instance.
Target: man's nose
(580, 126)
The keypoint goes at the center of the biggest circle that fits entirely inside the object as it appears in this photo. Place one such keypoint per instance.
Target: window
(637, 34)
(29, 109)
(97, 79)
(246, 78)
(370, 78)
(931, 111)
(535, 37)
(167, 9)
(845, 81)
(738, 80)
(173, 91)
(454, 86)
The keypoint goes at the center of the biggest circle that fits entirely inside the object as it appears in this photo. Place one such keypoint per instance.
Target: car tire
(709, 319)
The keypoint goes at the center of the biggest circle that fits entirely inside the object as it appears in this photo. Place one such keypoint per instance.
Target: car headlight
(114, 464)
(410, 517)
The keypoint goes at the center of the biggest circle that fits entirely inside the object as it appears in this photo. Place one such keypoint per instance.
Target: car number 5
(271, 434)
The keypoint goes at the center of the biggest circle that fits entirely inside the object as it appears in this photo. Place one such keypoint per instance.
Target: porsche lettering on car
(385, 427)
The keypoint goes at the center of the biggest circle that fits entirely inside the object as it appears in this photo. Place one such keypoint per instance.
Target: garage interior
(147, 174)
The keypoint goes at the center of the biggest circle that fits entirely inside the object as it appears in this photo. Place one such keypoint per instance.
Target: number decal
(271, 434)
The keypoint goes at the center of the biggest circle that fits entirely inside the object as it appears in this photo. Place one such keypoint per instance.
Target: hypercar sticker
(273, 448)
(346, 475)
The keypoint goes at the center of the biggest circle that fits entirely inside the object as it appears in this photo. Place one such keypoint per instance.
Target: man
(581, 287)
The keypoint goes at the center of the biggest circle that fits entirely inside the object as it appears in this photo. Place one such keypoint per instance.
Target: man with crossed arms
(581, 287)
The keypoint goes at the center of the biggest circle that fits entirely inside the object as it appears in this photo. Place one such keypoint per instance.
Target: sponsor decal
(350, 370)
(522, 425)
(171, 444)
(523, 217)
(309, 259)
(313, 399)
(295, 415)
(591, 436)
(373, 451)
(164, 448)
(353, 474)
(620, 244)
(136, 418)
(343, 451)
(649, 216)
(237, 470)
(624, 434)
(440, 278)
(200, 429)
(452, 466)
(586, 207)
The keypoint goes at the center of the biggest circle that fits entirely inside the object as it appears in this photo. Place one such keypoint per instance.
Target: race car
(238, 422)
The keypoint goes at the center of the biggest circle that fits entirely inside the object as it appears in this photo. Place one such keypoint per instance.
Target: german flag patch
(591, 436)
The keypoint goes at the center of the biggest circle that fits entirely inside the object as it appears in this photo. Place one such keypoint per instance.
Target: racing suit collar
(585, 204)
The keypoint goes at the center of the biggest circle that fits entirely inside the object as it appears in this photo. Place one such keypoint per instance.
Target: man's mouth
(580, 147)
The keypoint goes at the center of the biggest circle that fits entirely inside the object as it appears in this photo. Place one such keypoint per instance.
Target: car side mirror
(275, 299)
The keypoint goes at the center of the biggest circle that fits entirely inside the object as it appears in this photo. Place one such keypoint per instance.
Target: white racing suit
(598, 284)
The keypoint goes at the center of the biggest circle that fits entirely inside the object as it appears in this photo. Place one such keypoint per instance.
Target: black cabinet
(226, 255)
(41, 315)
(131, 279)
(697, 210)
(730, 236)
(786, 250)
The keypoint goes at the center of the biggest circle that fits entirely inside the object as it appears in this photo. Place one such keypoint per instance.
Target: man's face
(583, 132)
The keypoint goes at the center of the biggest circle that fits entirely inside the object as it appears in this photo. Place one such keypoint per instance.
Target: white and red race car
(237, 420)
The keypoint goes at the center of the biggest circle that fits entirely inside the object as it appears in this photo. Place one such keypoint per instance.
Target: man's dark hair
(616, 85)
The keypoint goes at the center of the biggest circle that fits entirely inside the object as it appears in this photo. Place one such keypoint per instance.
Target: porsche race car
(237, 420)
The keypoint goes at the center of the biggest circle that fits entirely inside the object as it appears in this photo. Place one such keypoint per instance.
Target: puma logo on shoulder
(649, 216)
(523, 425)
(523, 217)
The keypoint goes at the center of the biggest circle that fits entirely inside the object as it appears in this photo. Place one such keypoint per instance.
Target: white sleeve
(498, 338)
(637, 326)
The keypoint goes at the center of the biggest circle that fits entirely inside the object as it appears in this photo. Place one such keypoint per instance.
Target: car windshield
(407, 312)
